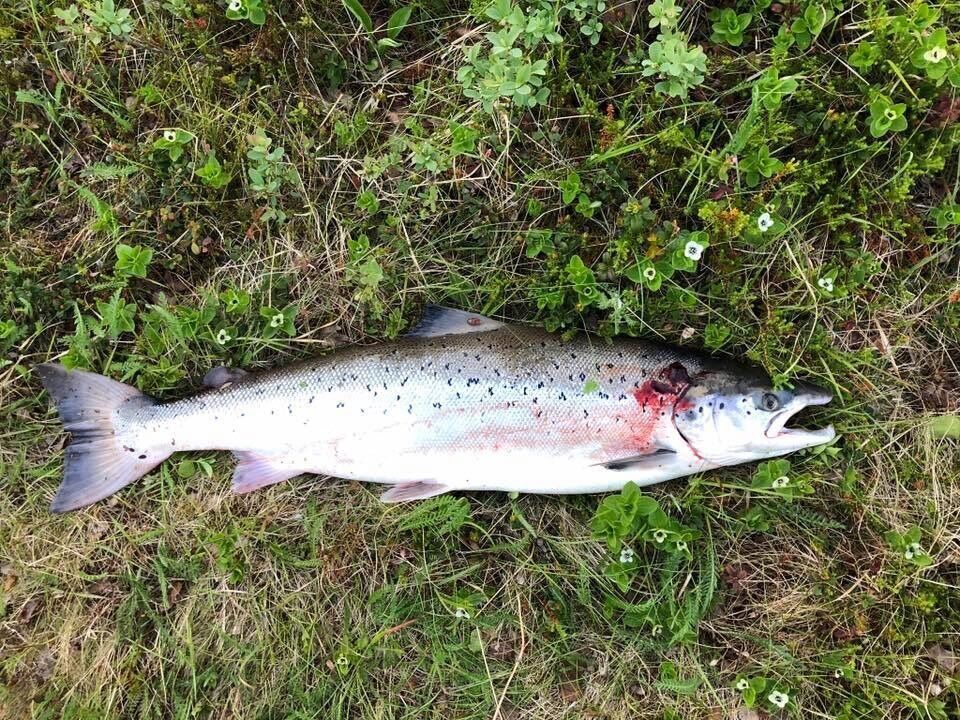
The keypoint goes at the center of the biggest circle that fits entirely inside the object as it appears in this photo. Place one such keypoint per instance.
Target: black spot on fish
(722, 405)
(340, 404)
(142, 457)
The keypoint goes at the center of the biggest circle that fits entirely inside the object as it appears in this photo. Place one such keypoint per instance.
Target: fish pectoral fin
(418, 490)
(438, 320)
(650, 459)
(256, 471)
(222, 375)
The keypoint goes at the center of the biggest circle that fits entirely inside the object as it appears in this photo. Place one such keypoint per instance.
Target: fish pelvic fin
(644, 461)
(407, 491)
(255, 471)
(98, 460)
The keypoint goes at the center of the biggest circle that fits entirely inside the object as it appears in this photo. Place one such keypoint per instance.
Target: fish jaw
(787, 440)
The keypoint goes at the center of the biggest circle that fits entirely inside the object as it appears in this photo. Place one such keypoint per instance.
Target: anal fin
(418, 490)
(256, 471)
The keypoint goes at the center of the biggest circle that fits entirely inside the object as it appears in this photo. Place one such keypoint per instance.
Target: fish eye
(770, 402)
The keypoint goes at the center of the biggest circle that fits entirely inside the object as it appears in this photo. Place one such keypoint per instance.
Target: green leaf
(117, 315)
(398, 21)
(212, 174)
(356, 9)
(570, 187)
(132, 260)
(945, 426)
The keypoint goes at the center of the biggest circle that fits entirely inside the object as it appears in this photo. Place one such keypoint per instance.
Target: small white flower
(235, 5)
(650, 272)
(276, 320)
(693, 250)
(656, 630)
(764, 222)
(781, 482)
(935, 54)
(626, 555)
(838, 673)
(915, 547)
(780, 699)
(742, 684)
(659, 536)
(342, 660)
(223, 337)
(681, 546)
(908, 554)
(826, 284)
(169, 135)
(461, 613)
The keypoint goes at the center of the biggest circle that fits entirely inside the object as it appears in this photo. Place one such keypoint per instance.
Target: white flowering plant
(674, 250)
(763, 692)
(251, 10)
(775, 478)
(278, 321)
(763, 226)
(631, 518)
(173, 142)
(907, 545)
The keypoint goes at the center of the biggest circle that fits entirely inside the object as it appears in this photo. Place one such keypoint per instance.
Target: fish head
(733, 414)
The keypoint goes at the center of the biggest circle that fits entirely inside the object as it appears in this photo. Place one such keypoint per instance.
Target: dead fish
(461, 403)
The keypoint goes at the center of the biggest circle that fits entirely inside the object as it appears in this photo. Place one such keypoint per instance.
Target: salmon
(462, 403)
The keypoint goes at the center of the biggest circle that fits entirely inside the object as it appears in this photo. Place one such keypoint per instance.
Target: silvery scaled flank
(462, 403)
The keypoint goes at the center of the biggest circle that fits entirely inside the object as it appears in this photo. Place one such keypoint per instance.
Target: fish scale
(465, 403)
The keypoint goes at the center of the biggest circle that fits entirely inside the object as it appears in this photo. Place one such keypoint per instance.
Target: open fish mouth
(777, 428)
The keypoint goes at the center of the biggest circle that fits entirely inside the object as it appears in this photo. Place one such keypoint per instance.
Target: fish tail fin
(98, 461)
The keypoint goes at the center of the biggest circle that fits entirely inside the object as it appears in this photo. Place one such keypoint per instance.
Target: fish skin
(464, 403)
(434, 408)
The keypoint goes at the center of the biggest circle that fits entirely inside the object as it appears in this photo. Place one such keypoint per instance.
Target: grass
(396, 187)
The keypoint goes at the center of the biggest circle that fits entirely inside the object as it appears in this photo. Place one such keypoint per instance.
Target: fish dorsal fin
(651, 459)
(438, 320)
(221, 375)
